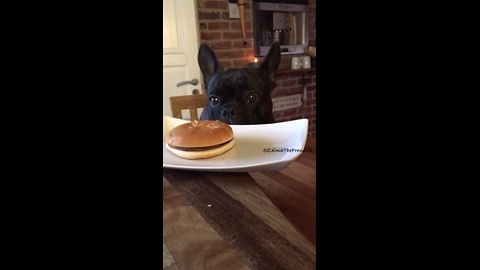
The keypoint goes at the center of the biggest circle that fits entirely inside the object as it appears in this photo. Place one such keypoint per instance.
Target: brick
(236, 25)
(296, 90)
(225, 16)
(220, 54)
(232, 35)
(239, 44)
(310, 115)
(210, 36)
(239, 63)
(310, 101)
(218, 26)
(290, 112)
(225, 64)
(304, 110)
(215, 4)
(221, 45)
(231, 54)
(208, 15)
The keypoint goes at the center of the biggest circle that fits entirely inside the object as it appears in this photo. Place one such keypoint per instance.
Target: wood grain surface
(241, 220)
(293, 190)
(191, 241)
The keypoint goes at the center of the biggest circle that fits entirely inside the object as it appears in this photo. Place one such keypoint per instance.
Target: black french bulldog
(239, 96)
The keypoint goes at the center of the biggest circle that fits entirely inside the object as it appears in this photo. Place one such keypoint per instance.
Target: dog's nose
(228, 112)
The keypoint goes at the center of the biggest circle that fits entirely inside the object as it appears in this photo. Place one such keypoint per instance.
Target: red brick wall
(224, 36)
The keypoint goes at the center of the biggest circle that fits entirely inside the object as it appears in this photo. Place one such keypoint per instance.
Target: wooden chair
(188, 102)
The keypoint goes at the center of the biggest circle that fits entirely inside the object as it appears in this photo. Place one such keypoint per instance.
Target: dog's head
(239, 95)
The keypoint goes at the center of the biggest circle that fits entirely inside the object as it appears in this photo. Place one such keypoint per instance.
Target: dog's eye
(252, 97)
(214, 100)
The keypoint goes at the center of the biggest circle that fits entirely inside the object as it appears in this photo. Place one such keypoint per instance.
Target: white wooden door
(180, 49)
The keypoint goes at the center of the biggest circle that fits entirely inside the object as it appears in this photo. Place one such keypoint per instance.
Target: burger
(200, 139)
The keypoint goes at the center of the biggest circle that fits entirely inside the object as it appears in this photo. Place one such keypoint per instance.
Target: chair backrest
(188, 102)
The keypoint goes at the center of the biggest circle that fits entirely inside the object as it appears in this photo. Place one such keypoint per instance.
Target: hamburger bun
(200, 139)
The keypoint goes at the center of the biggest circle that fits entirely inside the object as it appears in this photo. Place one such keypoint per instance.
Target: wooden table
(256, 220)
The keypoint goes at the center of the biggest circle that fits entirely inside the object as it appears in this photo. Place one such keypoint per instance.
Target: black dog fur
(239, 96)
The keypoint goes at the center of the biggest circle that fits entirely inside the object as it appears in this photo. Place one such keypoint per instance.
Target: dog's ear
(269, 66)
(208, 63)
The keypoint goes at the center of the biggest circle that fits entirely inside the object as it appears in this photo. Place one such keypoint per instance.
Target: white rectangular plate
(265, 147)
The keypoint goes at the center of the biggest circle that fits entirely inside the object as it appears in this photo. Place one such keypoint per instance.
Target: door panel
(180, 48)
(174, 60)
